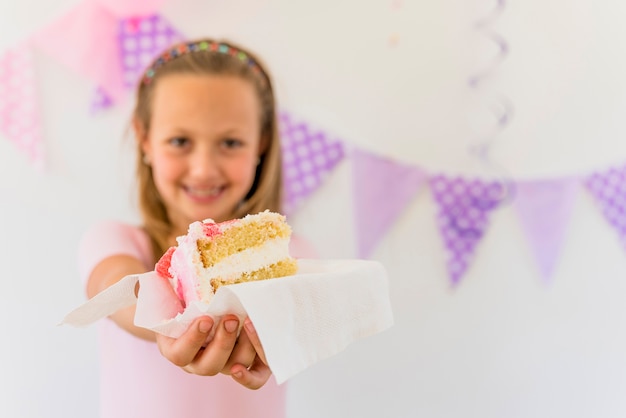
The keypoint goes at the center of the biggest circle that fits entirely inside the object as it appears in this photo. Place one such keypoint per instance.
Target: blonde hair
(266, 190)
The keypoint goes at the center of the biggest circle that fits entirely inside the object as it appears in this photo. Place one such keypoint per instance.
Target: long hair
(210, 57)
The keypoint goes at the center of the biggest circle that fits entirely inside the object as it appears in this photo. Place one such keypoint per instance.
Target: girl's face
(203, 145)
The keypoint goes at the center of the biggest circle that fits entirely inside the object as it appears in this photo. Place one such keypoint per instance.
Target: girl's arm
(242, 357)
(108, 272)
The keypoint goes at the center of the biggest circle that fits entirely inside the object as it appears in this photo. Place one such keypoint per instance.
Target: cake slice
(211, 255)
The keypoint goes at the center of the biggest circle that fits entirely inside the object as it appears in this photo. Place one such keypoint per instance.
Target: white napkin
(300, 319)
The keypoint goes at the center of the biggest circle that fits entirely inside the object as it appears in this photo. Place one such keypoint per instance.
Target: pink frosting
(182, 263)
(181, 276)
(211, 229)
(185, 260)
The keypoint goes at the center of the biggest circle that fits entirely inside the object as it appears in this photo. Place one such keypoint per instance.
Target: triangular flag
(382, 190)
(544, 208)
(609, 190)
(85, 40)
(463, 217)
(308, 157)
(141, 39)
(19, 108)
(100, 101)
(124, 8)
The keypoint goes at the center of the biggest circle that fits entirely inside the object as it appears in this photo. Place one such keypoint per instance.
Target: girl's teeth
(205, 193)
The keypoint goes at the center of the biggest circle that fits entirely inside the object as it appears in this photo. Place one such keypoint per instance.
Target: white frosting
(192, 281)
(246, 261)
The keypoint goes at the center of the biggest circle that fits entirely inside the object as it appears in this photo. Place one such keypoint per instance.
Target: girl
(207, 144)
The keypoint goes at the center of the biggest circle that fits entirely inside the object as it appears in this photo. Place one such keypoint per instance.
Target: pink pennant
(19, 110)
(382, 190)
(463, 218)
(308, 157)
(124, 8)
(85, 40)
(609, 190)
(141, 40)
(544, 208)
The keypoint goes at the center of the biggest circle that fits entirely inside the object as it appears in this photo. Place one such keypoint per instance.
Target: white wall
(501, 344)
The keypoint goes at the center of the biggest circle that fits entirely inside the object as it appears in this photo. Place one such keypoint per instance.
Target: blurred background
(526, 93)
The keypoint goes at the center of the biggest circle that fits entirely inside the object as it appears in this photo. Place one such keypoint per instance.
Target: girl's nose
(204, 165)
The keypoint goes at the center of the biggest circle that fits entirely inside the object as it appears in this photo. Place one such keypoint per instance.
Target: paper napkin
(300, 319)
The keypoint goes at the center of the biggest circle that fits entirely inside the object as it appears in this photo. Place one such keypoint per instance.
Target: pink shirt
(136, 381)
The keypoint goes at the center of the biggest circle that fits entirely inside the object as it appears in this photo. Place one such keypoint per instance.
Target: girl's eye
(178, 142)
(232, 143)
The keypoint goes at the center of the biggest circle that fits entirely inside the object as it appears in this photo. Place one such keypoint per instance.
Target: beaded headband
(186, 48)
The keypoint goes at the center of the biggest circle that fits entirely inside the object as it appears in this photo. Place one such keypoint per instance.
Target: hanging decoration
(85, 41)
(109, 42)
(141, 40)
(308, 158)
(499, 106)
(464, 205)
(544, 208)
(609, 190)
(19, 108)
(463, 217)
(100, 101)
(382, 189)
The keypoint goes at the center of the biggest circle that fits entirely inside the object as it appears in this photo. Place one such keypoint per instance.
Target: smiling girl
(207, 147)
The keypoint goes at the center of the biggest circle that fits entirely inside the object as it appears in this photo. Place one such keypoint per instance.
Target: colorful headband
(187, 48)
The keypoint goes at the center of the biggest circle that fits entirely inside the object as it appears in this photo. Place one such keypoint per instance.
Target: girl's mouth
(203, 194)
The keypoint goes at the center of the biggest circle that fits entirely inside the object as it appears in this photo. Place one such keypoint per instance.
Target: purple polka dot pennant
(141, 40)
(609, 190)
(463, 217)
(308, 157)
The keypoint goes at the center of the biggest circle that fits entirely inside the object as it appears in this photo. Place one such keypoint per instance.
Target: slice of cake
(211, 255)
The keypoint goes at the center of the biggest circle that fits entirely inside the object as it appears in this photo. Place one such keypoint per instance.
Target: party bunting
(19, 110)
(141, 40)
(609, 190)
(110, 43)
(382, 188)
(308, 158)
(463, 217)
(544, 208)
(125, 8)
(85, 40)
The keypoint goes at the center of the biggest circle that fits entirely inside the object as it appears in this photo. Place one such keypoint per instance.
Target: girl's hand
(258, 372)
(243, 358)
